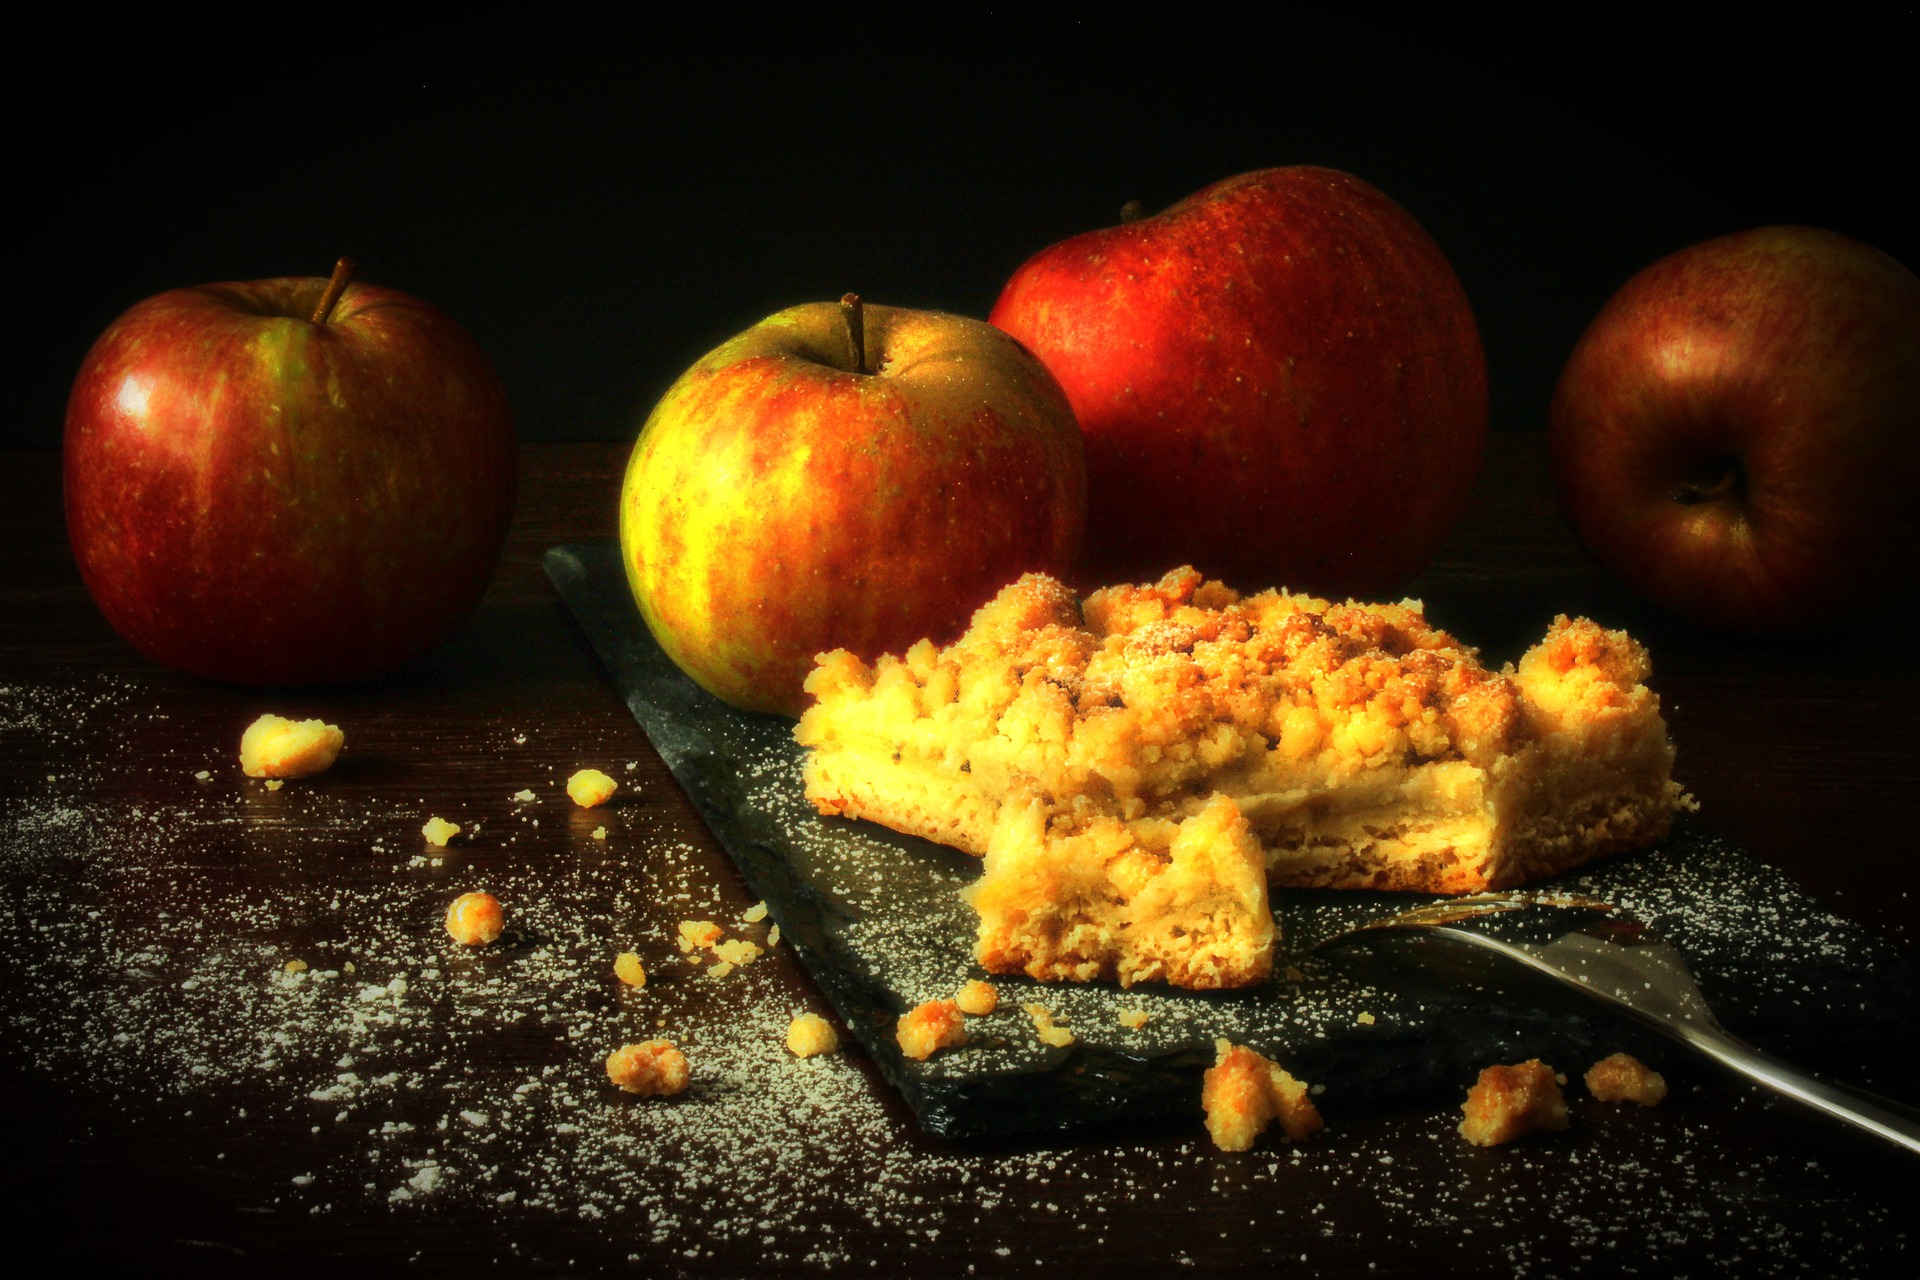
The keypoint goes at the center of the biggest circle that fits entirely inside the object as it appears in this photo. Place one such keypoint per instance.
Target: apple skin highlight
(1279, 379)
(779, 503)
(258, 498)
(1737, 434)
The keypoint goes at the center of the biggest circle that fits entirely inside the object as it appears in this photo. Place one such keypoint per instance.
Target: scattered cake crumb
(438, 831)
(978, 998)
(754, 914)
(1365, 1019)
(737, 951)
(205, 775)
(627, 968)
(275, 747)
(1509, 1101)
(1050, 1034)
(274, 784)
(930, 1027)
(700, 934)
(811, 1034)
(1243, 1092)
(1624, 1078)
(296, 966)
(590, 788)
(652, 1068)
(475, 919)
(524, 794)
(599, 833)
(773, 936)
(1133, 1018)
(720, 969)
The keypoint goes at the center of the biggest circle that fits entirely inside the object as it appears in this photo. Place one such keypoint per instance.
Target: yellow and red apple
(843, 476)
(1279, 380)
(1737, 435)
(287, 481)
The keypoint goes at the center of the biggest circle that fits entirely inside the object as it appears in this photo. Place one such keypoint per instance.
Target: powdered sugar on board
(153, 950)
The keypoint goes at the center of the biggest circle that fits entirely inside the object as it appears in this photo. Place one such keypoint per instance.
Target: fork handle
(1876, 1115)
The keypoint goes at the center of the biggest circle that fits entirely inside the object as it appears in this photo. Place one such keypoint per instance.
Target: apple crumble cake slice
(1357, 746)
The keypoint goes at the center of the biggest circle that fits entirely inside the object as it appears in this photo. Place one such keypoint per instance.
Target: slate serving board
(876, 918)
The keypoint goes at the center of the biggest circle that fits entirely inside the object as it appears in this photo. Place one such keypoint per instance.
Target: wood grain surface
(177, 1098)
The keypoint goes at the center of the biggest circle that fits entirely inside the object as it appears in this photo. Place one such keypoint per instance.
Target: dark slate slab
(875, 917)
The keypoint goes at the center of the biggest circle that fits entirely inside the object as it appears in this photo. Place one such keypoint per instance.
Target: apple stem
(342, 276)
(1689, 494)
(856, 330)
(1132, 211)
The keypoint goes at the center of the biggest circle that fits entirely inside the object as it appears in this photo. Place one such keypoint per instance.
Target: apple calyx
(1731, 479)
(856, 330)
(343, 272)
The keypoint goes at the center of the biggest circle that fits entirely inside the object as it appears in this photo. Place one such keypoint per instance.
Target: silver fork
(1621, 963)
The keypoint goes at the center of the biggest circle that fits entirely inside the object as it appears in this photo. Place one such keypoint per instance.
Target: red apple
(287, 481)
(841, 476)
(1737, 435)
(1279, 380)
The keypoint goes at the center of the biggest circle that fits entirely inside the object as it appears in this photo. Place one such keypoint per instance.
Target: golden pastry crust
(1359, 746)
(1508, 1102)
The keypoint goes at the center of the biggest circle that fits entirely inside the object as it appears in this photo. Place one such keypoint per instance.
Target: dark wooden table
(175, 1097)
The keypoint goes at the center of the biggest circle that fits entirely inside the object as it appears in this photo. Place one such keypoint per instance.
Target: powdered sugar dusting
(154, 950)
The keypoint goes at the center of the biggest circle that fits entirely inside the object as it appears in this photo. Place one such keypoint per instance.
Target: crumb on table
(275, 747)
(928, 1028)
(590, 787)
(653, 1068)
(475, 919)
(1243, 1092)
(737, 951)
(978, 998)
(1509, 1101)
(754, 914)
(627, 968)
(438, 831)
(1133, 1019)
(811, 1034)
(1624, 1078)
(698, 934)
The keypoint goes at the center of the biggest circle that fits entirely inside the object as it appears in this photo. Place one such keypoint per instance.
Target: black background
(600, 206)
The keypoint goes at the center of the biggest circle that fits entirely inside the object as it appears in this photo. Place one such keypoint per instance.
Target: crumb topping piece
(810, 1034)
(1244, 1092)
(1508, 1102)
(590, 788)
(928, 1028)
(274, 747)
(475, 919)
(627, 968)
(652, 1068)
(1133, 1019)
(698, 935)
(737, 951)
(1050, 1033)
(978, 999)
(438, 831)
(1622, 1077)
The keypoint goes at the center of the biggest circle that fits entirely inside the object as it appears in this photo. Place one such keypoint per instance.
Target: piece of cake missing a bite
(1344, 745)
